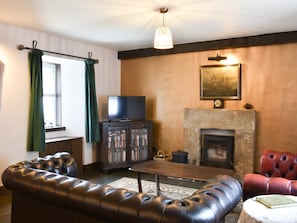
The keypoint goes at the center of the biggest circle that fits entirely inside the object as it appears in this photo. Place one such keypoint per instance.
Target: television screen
(121, 108)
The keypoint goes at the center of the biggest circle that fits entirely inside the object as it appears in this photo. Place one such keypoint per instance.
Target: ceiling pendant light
(163, 36)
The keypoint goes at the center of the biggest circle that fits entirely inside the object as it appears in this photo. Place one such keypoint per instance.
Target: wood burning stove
(217, 148)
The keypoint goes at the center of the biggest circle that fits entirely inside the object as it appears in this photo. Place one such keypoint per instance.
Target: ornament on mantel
(248, 106)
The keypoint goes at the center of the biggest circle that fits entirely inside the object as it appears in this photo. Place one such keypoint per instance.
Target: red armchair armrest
(257, 184)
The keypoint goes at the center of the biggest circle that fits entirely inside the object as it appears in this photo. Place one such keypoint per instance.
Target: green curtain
(92, 119)
(36, 132)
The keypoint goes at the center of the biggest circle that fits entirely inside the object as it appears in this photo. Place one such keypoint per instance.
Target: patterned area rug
(171, 191)
(149, 187)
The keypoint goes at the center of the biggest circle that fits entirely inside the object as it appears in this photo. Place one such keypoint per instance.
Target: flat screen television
(125, 108)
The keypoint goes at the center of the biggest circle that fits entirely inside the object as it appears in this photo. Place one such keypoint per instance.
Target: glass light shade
(163, 38)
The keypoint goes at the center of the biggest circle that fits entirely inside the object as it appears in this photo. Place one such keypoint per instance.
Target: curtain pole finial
(34, 44)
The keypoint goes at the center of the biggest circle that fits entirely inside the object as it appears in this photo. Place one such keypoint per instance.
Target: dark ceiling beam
(259, 40)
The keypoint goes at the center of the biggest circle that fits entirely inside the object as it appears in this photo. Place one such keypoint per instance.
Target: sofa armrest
(257, 184)
(61, 163)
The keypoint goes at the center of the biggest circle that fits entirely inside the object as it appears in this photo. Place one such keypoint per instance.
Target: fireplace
(242, 122)
(217, 147)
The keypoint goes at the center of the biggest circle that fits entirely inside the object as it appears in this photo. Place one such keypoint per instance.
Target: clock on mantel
(218, 103)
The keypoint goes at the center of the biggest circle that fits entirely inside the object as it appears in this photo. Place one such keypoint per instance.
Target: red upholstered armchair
(278, 175)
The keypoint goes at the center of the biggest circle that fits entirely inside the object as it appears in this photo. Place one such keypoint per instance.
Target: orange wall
(171, 83)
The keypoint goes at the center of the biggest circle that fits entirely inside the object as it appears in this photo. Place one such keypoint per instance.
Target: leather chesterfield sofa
(278, 175)
(46, 190)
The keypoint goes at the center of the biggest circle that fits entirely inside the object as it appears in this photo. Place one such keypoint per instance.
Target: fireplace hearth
(243, 124)
(217, 147)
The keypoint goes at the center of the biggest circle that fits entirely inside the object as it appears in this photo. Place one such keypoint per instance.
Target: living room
(171, 84)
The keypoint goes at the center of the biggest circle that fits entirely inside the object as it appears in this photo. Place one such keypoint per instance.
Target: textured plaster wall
(171, 83)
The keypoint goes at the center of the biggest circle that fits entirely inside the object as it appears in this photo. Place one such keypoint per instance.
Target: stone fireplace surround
(243, 122)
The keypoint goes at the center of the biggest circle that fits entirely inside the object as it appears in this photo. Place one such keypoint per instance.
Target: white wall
(14, 98)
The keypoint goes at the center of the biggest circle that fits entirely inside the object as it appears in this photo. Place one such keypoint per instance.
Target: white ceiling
(128, 24)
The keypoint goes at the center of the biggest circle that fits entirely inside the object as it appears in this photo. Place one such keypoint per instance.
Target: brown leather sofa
(278, 175)
(42, 192)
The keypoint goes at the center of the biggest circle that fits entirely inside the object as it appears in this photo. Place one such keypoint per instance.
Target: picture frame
(220, 81)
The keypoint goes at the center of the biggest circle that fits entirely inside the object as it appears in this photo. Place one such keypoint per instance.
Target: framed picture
(220, 81)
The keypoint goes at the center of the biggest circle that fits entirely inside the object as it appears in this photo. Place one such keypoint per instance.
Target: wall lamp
(217, 58)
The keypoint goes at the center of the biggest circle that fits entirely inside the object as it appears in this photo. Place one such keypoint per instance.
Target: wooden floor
(5, 205)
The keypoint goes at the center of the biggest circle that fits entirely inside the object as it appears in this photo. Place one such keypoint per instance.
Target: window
(52, 95)
(64, 96)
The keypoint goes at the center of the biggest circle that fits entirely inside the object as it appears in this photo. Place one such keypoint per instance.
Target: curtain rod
(34, 44)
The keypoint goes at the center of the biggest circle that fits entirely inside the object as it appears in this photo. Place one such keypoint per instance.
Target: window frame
(57, 97)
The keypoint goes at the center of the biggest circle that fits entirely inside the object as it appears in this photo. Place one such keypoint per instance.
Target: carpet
(171, 191)
(149, 187)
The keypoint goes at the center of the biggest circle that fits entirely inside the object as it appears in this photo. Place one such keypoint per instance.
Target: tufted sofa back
(278, 164)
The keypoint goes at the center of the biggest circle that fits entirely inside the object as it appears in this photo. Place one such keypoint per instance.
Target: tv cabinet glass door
(139, 144)
(117, 145)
